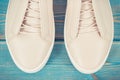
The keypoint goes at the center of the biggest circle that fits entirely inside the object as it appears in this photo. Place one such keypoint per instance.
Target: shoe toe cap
(29, 54)
(88, 55)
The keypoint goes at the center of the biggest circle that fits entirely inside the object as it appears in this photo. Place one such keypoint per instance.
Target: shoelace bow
(87, 22)
(31, 22)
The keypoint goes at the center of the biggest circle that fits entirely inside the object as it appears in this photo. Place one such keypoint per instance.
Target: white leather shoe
(88, 33)
(30, 33)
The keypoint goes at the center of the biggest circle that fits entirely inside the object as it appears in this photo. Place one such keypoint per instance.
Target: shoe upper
(88, 33)
(30, 33)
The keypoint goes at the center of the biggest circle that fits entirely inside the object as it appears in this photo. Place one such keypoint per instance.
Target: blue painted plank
(114, 56)
(109, 72)
(60, 54)
(60, 66)
(115, 4)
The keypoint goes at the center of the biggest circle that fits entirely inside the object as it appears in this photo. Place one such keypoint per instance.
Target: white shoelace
(87, 22)
(31, 22)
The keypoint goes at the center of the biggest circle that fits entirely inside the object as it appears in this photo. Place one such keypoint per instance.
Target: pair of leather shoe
(30, 33)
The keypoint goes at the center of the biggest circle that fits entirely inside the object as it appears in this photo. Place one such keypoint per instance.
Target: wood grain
(59, 66)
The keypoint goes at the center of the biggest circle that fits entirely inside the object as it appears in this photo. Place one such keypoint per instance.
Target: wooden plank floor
(59, 66)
